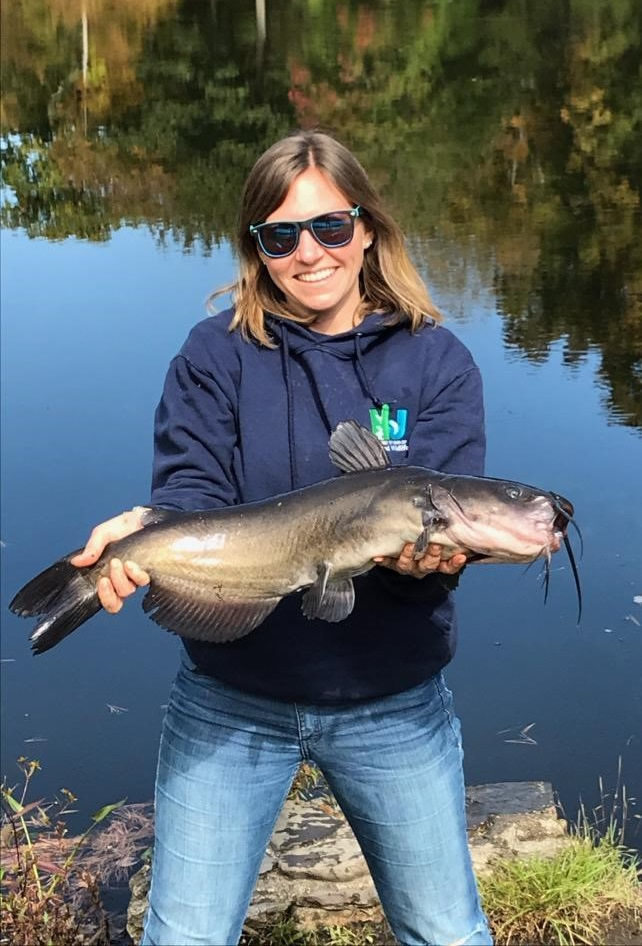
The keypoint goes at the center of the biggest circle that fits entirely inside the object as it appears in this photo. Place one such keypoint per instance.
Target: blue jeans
(227, 760)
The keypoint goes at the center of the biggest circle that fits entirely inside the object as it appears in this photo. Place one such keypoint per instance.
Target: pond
(507, 139)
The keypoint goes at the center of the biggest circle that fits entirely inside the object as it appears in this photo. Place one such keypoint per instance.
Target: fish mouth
(559, 528)
(564, 513)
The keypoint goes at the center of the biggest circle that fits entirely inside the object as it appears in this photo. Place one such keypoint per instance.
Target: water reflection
(509, 131)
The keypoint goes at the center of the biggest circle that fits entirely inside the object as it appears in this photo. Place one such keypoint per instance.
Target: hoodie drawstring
(361, 372)
(285, 361)
(362, 376)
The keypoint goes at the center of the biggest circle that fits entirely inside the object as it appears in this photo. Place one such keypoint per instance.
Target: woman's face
(322, 281)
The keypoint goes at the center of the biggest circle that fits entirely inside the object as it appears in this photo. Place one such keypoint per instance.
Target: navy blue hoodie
(239, 422)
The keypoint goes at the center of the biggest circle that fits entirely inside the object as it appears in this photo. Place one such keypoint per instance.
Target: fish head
(497, 520)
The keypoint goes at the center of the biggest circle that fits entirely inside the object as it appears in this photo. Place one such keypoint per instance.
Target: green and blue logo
(391, 432)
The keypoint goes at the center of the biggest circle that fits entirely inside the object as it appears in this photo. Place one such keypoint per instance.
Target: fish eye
(514, 492)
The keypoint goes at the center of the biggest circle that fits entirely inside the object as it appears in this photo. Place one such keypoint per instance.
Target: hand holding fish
(124, 577)
(430, 561)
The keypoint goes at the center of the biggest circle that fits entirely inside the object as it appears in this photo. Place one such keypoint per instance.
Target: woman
(331, 321)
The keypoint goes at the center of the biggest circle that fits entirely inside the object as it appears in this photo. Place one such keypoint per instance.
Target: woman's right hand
(124, 577)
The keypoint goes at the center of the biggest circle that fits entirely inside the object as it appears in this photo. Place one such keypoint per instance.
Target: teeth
(315, 277)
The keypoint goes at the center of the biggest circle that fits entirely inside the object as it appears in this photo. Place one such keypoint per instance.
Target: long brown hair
(389, 281)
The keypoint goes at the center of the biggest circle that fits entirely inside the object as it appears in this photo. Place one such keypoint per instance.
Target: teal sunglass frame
(287, 233)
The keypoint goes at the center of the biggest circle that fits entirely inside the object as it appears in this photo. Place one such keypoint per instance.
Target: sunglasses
(282, 237)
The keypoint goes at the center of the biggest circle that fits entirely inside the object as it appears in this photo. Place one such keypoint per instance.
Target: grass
(573, 898)
(582, 895)
(308, 782)
(285, 931)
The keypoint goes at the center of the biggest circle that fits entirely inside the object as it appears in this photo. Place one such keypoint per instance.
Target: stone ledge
(314, 867)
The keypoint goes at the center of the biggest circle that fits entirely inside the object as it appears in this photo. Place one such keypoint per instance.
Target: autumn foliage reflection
(507, 134)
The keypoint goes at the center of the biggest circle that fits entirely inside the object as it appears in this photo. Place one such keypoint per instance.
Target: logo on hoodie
(391, 432)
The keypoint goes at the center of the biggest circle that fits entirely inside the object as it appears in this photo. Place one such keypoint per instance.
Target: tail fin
(64, 597)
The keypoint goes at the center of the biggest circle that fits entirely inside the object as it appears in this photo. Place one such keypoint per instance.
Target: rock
(513, 819)
(314, 867)
(313, 839)
(139, 887)
(507, 798)
(309, 918)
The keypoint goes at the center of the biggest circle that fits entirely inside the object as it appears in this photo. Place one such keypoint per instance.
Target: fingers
(123, 585)
(92, 551)
(406, 561)
(405, 564)
(137, 575)
(452, 565)
(124, 579)
(116, 528)
(430, 561)
(108, 597)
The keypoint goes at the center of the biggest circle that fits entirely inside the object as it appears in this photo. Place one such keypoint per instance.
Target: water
(505, 138)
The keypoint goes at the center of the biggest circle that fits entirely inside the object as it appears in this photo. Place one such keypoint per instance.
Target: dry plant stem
(46, 897)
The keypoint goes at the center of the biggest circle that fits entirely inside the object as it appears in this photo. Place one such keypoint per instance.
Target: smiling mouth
(320, 276)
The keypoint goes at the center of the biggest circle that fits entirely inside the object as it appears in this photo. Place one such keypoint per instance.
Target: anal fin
(216, 620)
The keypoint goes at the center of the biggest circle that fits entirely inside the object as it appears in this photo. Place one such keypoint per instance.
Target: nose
(308, 250)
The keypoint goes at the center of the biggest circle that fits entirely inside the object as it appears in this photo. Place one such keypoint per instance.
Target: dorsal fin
(353, 449)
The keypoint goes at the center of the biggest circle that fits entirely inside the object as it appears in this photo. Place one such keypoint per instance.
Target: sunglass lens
(278, 239)
(333, 229)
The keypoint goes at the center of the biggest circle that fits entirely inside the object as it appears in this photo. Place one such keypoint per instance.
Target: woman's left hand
(430, 561)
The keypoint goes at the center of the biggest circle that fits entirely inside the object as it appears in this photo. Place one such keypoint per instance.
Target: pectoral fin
(422, 544)
(326, 599)
(220, 620)
(432, 521)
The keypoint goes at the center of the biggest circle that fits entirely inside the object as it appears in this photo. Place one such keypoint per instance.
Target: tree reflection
(513, 131)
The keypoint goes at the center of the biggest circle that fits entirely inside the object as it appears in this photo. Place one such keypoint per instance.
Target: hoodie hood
(372, 330)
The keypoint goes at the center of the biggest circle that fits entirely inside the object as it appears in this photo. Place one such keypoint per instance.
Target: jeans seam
(447, 710)
(299, 726)
(480, 928)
